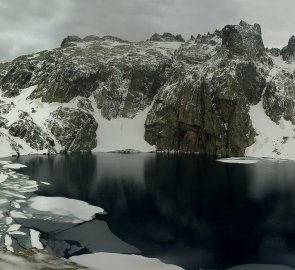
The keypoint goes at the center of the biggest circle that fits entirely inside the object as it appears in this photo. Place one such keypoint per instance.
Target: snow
(14, 227)
(8, 242)
(15, 205)
(9, 193)
(280, 64)
(125, 133)
(4, 162)
(110, 44)
(238, 160)
(34, 260)
(260, 267)
(79, 210)
(14, 166)
(23, 104)
(121, 133)
(8, 220)
(273, 141)
(112, 135)
(5, 147)
(16, 233)
(113, 261)
(3, 177)
(3, 201)
(45, 183)
(35, 240)
(162, 46)
(17, 214)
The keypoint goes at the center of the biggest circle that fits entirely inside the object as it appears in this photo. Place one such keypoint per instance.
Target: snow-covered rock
(108, 94)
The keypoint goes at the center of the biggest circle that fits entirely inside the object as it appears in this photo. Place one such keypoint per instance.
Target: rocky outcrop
(250, 81)
(243, 39)
(74, 129)
(85, 104)
(3, 122)
(279, 97)
(124, 78)
(204, 108)
(288, 52)
(70, 41)
(167, 37)
(32, 134)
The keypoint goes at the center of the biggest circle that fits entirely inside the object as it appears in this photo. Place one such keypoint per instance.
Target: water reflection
(184, 209)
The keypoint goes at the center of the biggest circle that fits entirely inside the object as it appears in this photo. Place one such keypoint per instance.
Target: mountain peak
(69, 40)
(167, 37)
(289, 51)
(243, 39)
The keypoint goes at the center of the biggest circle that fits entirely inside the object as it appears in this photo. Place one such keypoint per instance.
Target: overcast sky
(27, 26)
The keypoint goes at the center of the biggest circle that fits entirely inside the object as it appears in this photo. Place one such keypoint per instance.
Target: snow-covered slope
(112, 134)
(276, 140)
(91, 94)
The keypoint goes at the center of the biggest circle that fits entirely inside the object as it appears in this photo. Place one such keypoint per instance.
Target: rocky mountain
(221, 93)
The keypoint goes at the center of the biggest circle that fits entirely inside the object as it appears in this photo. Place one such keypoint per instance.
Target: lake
(189, 210)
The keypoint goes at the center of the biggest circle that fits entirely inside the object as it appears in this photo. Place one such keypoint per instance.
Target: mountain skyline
(33, 25)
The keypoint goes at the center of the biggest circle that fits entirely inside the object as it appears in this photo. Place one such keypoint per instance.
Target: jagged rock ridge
(197, 96)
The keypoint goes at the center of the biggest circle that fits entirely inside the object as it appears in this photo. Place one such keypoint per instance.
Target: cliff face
(204, 105)
(194, 96)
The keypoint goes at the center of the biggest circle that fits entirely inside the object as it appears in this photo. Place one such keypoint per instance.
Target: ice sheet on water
(238, 160)
(15, 189)
(18, 203)
(14, 166)
(3, 177)
(260, 267)
(112, 261)
(62, 209)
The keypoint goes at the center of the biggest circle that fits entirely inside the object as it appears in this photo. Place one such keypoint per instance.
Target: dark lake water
(188, 210)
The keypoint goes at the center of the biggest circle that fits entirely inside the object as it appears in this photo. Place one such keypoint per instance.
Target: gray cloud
(32, 25)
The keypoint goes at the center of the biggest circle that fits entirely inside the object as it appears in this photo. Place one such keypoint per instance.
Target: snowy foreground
(107, 261)
(35, 260)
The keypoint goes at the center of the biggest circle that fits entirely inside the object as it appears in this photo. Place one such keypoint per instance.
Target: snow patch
(35, 239)
(121, 133)
(80, 211)
(17, 214)
(273, 140)
(260, 267)
(45, 183)
(14, 166)
(8, 242)
(4, 162)
(14, 227)
(3, 177)
(238, 160)
(114, 261)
